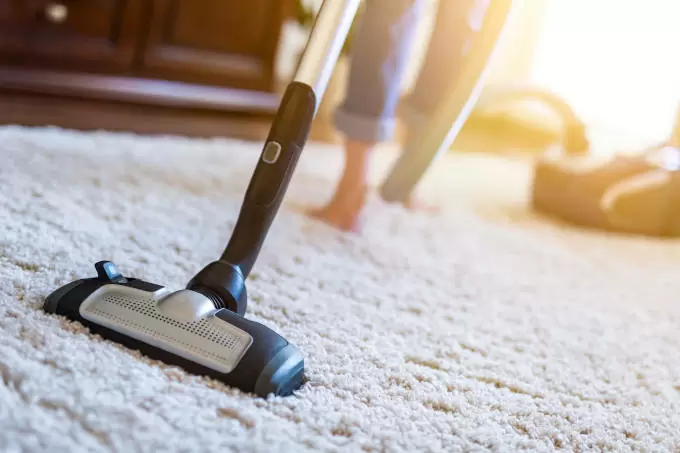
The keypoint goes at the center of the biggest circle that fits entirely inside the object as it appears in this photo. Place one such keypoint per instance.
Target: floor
(91, 115)
(482, 328)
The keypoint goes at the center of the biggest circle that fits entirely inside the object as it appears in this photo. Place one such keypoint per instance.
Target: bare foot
(344, 210)
(414, 203)
(345, 207)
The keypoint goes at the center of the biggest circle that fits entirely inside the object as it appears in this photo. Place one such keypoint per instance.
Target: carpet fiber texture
(479, 328)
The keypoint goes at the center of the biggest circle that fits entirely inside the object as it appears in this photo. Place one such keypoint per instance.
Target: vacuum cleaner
(202, 328)
(627, 193)
(636, 194)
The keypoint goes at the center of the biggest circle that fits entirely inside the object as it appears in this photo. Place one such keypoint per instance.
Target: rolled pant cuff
(364, 128)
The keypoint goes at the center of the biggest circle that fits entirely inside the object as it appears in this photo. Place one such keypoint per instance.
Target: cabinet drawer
(215, 42)
(96, 35)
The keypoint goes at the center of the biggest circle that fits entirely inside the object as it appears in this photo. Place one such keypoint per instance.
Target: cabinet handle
(56, 12)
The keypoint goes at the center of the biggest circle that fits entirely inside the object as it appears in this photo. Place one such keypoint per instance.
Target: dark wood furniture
(167, 57)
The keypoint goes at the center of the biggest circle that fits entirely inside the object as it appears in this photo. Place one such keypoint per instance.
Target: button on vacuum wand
(271, 152)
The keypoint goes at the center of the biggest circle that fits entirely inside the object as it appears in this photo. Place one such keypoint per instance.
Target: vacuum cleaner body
(182, 328)
(637, 194)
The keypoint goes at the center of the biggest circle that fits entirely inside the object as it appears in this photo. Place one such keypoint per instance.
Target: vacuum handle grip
(268, 186)
(286, 139)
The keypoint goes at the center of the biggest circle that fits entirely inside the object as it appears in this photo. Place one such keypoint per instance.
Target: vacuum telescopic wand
(326, 39)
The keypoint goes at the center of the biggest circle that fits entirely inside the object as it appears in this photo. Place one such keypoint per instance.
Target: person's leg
(367, 116)
(456, 24)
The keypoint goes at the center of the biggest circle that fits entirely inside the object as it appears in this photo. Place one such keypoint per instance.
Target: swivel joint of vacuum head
(224, 284)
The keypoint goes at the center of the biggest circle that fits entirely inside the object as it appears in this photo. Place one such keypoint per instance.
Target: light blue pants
(381, 49)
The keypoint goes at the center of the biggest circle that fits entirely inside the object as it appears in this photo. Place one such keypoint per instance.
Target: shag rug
(480, 328)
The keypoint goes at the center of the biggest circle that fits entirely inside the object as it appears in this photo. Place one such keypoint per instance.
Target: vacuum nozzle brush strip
(202, 328)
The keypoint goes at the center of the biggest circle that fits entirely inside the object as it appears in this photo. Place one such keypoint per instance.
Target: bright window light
(616, 61)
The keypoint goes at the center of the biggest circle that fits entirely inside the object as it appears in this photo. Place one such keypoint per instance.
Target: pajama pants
(379, 58)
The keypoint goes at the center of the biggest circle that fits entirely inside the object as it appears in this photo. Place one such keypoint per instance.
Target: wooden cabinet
(92, 35)
(216, 54)
(216, 42)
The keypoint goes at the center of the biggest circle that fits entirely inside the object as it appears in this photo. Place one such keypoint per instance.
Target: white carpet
(483, 328)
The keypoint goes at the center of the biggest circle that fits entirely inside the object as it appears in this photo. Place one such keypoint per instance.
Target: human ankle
(357, 164)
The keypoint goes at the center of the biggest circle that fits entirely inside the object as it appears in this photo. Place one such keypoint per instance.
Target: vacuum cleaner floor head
(183, 328)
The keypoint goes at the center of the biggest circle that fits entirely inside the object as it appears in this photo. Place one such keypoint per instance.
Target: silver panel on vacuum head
(209, 341)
